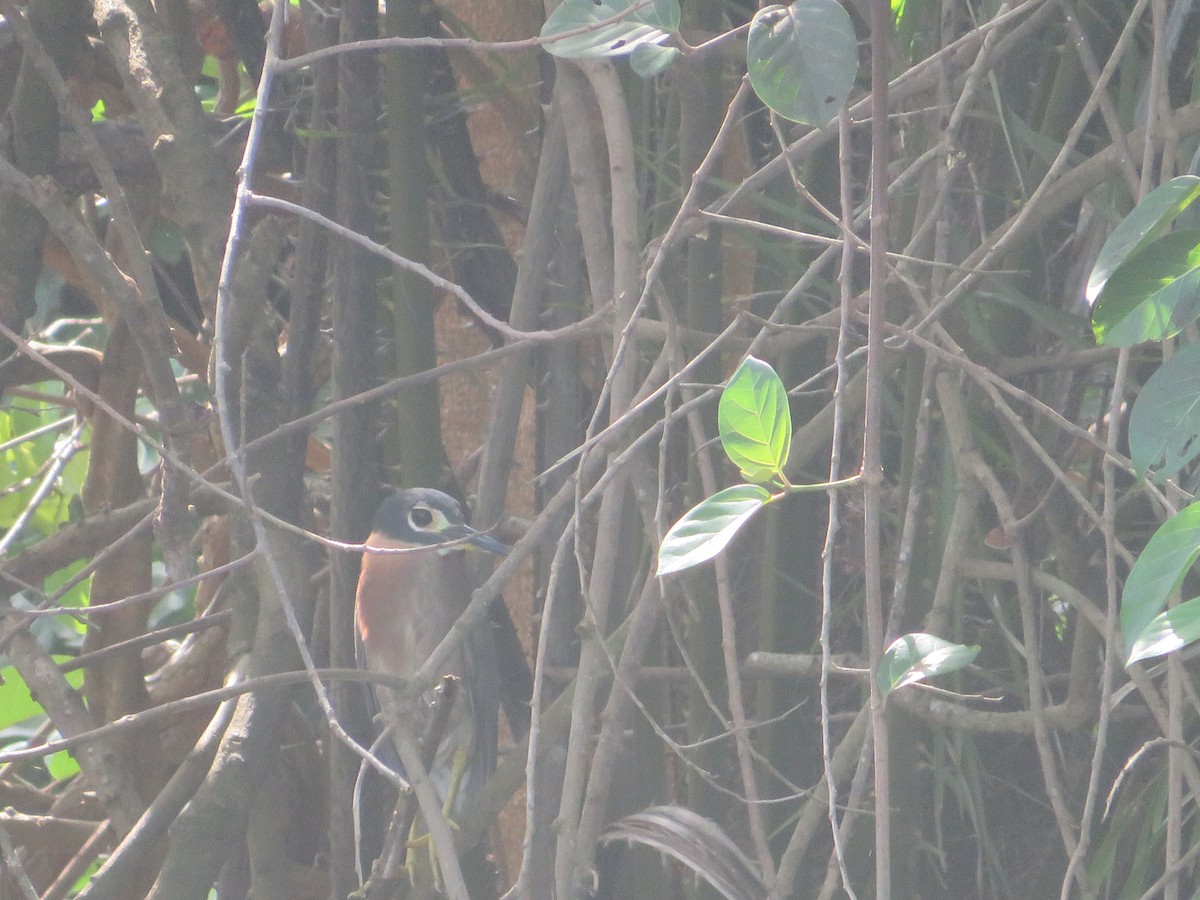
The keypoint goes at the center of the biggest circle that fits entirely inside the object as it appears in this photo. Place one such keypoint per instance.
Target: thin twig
(1112, 626)
(63, 453)
(14, 866)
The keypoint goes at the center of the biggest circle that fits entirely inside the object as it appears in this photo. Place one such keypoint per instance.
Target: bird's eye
(420, 517)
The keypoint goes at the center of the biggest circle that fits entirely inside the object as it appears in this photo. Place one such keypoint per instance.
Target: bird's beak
(475, 539)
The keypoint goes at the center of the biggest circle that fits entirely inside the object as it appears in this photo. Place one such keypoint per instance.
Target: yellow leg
(415, 840)
(457, 769)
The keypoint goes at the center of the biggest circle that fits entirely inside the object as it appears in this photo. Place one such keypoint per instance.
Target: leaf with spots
(802, 59)
(645, 24)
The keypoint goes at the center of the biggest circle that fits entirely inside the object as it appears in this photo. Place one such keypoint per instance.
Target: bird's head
(424, 517)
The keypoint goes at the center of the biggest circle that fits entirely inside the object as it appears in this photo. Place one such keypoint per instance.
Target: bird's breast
(406, 604)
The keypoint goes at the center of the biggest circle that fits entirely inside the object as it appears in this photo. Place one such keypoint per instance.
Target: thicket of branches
(222, 340)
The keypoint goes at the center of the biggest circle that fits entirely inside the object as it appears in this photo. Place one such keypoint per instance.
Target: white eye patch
(427, 519)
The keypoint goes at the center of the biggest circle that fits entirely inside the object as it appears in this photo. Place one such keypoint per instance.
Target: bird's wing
(481, 674)
(514, 678)
(386, 751)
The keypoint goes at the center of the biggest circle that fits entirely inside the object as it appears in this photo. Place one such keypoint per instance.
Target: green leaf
(78, 595)
(915, 657)
(708, 527)
(90, 872)
(1152, 295)
(1166, 632)
(17, 703)
(61, 765)
(754, 421)
(647, 60)
(1146, 222)
(1159, 571)
(1165, 420)
(802, 59)
(166, 241)
(648, 24)
(17, 464)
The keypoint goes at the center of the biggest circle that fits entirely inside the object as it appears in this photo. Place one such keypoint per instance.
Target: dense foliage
(829, 368)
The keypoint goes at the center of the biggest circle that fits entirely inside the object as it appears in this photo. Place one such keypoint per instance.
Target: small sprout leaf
(754, 421)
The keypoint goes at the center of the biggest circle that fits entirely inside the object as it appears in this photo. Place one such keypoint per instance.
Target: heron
(406, 603)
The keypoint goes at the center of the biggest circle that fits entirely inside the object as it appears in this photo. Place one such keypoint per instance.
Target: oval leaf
(1151, 296)
(1146, 222)
(1165, 421)
(646, 24)
(1167, 631)
(1158, 572)
(647, 60)
(754, 421)
(802, 59)
(708, 527)
(915, 657)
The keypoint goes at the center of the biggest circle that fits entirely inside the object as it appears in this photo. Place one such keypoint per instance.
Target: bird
(405, 605)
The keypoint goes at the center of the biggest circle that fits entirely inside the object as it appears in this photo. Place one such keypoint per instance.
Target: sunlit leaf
(915, 657)
(646, 24)
(1159, 571)
(23, 465)
(90, 872)
(18, 466)
(1168, 631)
(17, 703)
(78, 595)
(708, 527)
(1165, 421)
(1146, 222)
(754, 421)
(61, 764)
(802, 59)
(1152, 295)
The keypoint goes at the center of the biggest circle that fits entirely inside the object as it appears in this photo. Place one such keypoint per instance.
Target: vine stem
(872, 469)
(835, 471)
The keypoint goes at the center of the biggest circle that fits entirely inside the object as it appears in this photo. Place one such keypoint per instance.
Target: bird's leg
(418, 874)
(458, 768)
(444, 696)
